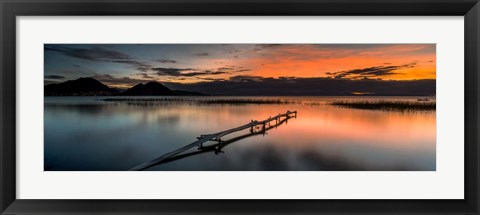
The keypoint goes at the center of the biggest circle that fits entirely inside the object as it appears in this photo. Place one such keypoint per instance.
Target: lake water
(90, 134)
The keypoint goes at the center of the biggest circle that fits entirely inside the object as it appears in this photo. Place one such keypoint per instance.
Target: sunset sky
(124, 65)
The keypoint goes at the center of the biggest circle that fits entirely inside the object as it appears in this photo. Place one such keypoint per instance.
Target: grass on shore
(388, 105)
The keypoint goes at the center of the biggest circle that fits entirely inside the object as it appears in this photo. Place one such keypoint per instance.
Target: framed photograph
(240, 107)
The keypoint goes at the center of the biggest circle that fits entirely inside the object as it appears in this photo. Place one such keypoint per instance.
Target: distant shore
(233, 101)
(388, 105)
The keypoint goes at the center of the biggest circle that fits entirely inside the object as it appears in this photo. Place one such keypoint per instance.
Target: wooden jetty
(254, 126)
(216, 148)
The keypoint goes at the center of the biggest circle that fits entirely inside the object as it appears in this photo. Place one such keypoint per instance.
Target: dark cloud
(213, 72)
(145, 75)
(246, 78)
(368, 72)
(165, 61)
(190, 72)
(54, 77)
(231, 69)
(269, 45)
(243, 70)
(93, 54)
(202, 54)
(163, 71)
(226, 68)
(100, 54)
(141, 66)
(290, 86)
(260, 47)
(115, 81)
(234, 51)
(210, 79)
(357, 47)
(371, 72)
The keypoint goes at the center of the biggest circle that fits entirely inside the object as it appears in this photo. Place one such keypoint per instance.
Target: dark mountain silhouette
(148, 89)
(93, 87)
(155, 89)
(259, 86)
(78, 87)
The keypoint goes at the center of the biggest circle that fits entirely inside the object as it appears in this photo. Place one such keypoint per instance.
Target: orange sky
(309, 61)
(122, 65)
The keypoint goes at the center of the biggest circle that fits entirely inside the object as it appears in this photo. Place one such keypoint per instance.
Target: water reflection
(89, 134)
(216, 148)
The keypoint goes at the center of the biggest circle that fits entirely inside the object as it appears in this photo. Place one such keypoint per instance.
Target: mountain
(155, 89)
(92, 87)
(78, 87)
(148, 89)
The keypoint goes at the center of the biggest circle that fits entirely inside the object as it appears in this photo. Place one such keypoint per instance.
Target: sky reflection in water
(85, 134)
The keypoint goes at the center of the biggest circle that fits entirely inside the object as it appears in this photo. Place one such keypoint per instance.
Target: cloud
(370, 72)
(93, 54)
(210, 79)
(268, 45)
(234, 51)
(232, 69)
(165, 61)
(145, 75)
(141, 66)
(202, 54)
(163, 71)
(56, 77)
(190, 72)
(100, 54)
(243, 70)
(120, 82)
(210, 72)
(247, 78)
(260, 47)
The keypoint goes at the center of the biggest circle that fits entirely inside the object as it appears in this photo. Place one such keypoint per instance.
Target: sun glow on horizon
(123, 66)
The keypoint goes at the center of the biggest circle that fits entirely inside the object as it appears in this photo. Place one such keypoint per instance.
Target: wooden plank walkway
(217, 148)
(217, 137)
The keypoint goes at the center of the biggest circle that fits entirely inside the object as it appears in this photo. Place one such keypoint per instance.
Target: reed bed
(388, 105)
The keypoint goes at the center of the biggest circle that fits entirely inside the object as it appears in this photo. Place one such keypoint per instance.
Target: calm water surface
(87, 133)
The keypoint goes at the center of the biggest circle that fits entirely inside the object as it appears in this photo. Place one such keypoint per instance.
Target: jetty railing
(254, 126)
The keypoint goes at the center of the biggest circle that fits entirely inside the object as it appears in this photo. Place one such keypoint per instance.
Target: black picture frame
(10, 9)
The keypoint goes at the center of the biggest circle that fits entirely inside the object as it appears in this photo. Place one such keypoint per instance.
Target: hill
(78, 87)
(93, 87)
(148, 89)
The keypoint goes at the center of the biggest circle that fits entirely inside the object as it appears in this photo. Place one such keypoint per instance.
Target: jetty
(255, 127)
